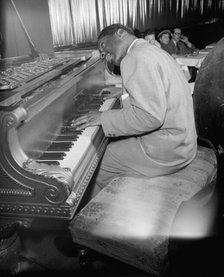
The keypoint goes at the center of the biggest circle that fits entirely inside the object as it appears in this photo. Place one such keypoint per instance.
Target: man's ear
(121, 32)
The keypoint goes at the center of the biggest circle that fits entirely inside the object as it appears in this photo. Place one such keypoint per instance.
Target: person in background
(164, 38)
(166, 44)
(177, 45)
(155, 134)
(151, 37)
(181, 45)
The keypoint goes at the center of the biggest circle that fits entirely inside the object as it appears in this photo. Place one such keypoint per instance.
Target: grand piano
(45, 164)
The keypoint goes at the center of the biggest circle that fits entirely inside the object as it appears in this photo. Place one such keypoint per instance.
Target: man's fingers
(79, 121)
(92, 118)
(104, 92)
(82, 126)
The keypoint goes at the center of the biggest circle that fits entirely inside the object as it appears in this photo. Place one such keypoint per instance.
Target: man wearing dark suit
(181, 44)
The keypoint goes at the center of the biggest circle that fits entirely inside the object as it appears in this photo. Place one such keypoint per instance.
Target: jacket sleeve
(188, 49)
(143, 81)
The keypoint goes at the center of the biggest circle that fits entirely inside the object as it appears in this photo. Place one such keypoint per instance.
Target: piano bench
(131, 218)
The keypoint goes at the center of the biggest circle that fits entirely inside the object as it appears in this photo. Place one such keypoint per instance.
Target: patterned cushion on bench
(130, 219)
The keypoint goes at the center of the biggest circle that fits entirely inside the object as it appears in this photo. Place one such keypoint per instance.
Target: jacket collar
(133, 42)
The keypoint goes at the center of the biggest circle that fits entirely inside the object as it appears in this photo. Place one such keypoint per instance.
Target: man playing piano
(155, 134)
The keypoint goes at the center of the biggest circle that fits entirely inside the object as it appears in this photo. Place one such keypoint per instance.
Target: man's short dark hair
(111, 30)
(150, 32)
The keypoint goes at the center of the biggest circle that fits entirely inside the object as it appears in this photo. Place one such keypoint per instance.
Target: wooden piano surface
(45, 165)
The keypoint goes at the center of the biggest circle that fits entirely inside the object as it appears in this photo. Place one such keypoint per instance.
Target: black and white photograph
(112, 138)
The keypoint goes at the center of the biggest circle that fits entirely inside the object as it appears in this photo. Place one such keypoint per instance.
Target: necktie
(178, 48)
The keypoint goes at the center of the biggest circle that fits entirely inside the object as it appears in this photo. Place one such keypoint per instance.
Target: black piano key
(63, 144)
(49, 162)
(52, 156)
(71, 130)
(58, 148)
(69, 133)
(68, 136)
(73, 137)
(64, 139)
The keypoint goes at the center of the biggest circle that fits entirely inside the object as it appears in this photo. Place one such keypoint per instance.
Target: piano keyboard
(69, 147)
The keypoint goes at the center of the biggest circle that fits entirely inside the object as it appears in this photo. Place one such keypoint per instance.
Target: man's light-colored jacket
(160, 113)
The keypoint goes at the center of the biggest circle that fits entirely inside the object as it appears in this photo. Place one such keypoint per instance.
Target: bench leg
(84, 256)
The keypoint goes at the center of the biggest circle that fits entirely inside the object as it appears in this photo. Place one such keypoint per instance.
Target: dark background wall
(205, 33)
(35, 16)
